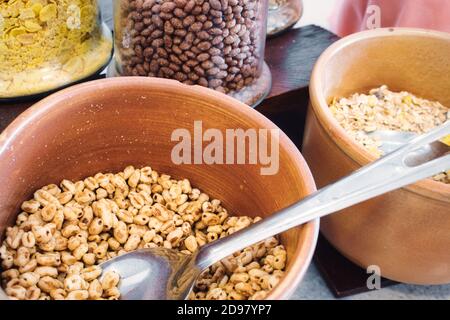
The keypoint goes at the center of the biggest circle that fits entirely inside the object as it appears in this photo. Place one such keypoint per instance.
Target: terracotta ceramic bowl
(106, 125)
(406, 232)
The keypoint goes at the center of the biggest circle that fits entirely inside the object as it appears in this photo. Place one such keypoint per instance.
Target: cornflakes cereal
(42, 37)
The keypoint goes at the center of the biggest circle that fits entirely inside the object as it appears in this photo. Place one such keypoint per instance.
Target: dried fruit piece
(446, 140)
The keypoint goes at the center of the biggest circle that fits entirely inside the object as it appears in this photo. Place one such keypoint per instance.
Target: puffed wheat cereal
(66, 231)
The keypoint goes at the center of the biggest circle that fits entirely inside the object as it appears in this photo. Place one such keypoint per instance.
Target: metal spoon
(166, 274)
(392, 140)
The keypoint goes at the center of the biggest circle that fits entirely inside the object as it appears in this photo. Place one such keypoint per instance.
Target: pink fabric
(351, 16)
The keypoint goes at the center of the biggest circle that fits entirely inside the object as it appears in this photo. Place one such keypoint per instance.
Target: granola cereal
(66, 231)
(383, 109)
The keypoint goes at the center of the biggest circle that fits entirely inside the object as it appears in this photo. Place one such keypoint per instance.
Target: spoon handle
(402, 167)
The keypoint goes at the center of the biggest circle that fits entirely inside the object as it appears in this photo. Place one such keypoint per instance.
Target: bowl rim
(304, 248)
(426, 188)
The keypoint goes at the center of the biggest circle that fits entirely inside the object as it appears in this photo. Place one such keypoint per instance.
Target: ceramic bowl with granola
(384, 79)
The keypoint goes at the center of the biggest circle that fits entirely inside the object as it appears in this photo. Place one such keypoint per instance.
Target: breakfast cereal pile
(383, 109)
(45, 44)
(66, 231)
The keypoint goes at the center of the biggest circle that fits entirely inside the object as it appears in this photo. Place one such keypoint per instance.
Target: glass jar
(218, 44)
(46, 44)
(283, 14)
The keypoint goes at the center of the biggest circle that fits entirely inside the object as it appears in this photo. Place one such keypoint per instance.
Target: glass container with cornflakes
(48, 44)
